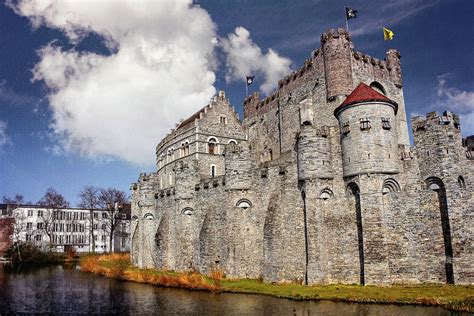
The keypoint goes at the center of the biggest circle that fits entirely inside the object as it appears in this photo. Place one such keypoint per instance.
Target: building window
(96, 238)
(223, 120)
(104, 215)
(28, 237)
(212, 146)
(103, 238)
(38, 237)
(187, 211)
(30, 212)
(186, 148)
(213, 171)
(244, 204)
(39, 225)
(40, 213)
(386, 123)
(232, 141)
(461, 182)
(104, 226)
(345, 128)
(95, 226)
(364, 124)
(96, 215)
(29, 225)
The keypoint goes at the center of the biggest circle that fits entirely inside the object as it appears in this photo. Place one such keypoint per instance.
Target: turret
(368, 132)
(336, 46)
(314, 153)
(392, 57)
(237, 166)
(250, 104)
(438, 145)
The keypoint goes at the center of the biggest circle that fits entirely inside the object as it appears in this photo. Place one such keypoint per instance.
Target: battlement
(433, 118)
(335, 33)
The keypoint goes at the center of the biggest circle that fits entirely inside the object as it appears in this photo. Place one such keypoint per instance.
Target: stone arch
(461, 182)
(187, 211)
(377, 86)
(232, 141)
(326, 193)
(212, 145)
(244, 203)
(149, 216)
(390, 185)
(437, 185)
(353, 192)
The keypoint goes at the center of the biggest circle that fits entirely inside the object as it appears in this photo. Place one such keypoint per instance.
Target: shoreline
(459, 298)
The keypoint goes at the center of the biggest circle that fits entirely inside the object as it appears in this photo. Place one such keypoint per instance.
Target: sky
(89, 88)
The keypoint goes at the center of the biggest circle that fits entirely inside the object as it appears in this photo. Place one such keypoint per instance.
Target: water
(61, 290)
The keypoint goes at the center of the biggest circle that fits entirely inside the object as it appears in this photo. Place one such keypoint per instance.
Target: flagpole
(347, 23)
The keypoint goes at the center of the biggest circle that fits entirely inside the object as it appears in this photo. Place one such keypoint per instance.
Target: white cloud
(244, 58)
(161, 69)
(4, 139)
(458, 101)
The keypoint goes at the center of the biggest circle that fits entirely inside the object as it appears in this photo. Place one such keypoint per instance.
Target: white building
(70, 228)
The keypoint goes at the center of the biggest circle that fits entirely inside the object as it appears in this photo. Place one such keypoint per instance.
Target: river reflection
(61, 290)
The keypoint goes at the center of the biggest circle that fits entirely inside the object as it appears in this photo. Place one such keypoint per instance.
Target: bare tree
(89, 199)
(112, 201)
(53, 199)
(18, 199)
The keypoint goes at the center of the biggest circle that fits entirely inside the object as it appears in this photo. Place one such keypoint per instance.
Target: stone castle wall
(296, 198)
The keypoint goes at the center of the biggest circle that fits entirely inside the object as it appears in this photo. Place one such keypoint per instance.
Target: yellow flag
(387, 34)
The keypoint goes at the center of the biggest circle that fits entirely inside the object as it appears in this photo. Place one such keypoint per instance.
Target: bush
(29, 253)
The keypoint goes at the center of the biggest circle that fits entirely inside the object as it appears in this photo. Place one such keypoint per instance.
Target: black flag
(250, 80)
(350, 13)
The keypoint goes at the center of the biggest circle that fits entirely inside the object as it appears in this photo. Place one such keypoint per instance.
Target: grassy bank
(454, 297)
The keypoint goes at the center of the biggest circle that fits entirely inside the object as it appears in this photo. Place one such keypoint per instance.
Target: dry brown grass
(118, 266)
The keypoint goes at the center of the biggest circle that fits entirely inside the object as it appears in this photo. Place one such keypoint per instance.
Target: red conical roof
(364, 93)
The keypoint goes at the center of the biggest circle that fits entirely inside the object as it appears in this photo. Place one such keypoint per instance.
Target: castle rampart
(317, 184)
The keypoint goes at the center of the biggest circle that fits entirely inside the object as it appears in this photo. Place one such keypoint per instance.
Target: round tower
(314, 156)
(336, 45)
(368, 132)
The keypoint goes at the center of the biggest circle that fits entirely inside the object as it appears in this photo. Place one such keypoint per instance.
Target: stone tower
(336, 45)
(368, 133)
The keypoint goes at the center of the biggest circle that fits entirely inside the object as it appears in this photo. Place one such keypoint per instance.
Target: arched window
(244, 203)
(182, 152)
(390, 185)
(461, 182)
(326, 194)
(232, 141)
(134, 218)
(212, 146)
(187, 211)
(170, 178)
(378, 87)
(168, 156)
(213, 171)
(186, 148)
(149, 216)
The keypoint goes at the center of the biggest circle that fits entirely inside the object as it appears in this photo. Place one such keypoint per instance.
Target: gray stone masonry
(295, 193)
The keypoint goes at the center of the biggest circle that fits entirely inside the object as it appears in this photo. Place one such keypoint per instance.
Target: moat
(59, 290)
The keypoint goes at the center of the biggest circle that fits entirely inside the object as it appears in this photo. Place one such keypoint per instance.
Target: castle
(317, 184)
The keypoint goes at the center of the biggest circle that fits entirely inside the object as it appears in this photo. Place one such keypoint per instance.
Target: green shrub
(29, 253)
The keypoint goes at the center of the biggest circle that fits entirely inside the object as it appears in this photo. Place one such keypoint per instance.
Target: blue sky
(88, 89)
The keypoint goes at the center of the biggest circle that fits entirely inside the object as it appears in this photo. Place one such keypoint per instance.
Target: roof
(191, 118)
(364, 93)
